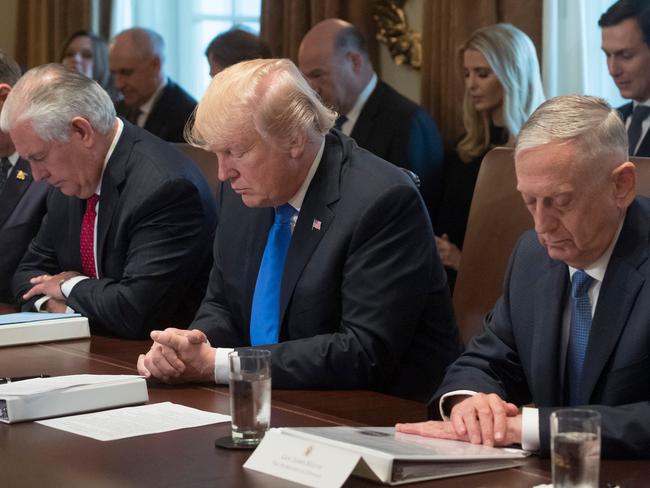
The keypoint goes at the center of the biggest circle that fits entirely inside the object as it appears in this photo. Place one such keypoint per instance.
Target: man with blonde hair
(573, 325)
(324, 253)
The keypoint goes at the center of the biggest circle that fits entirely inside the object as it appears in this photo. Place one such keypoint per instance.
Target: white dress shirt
(353, 114)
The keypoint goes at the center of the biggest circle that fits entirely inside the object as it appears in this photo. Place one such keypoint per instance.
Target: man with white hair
(150, 99)
(324, 253)
(127, 235)
(573, 325)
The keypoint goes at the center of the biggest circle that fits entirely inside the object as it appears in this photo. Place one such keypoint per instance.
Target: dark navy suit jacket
(22, 206)
(644, 148)
(156, 222)
(519, 354)
(364, 302)
(169, 114)
(403, 133)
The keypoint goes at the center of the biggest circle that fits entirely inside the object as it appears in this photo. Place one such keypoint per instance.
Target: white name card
(302, 461)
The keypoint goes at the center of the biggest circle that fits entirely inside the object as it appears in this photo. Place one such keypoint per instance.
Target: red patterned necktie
(88, 236)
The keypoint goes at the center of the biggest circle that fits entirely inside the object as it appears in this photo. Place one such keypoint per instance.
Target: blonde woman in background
(502, 88)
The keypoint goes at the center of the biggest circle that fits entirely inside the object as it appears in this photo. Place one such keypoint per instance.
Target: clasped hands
(178, 356)
(479, 419)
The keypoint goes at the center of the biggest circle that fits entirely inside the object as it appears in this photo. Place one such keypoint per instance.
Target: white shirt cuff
(221, 366)
(40, 302)
(68, 285)
(530, 429)
(444, 411)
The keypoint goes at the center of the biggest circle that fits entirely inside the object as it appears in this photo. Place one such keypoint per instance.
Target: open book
(395, 458)
(33, 327)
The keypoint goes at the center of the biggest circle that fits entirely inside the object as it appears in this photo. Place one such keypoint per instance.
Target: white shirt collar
(13, 158)
(645, 103)
(354, 113)
(111, 148)
(146, 107)
(299, 197)
(597, 269)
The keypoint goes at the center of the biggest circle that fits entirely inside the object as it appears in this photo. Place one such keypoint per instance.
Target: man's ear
(624, 178)
(4, 91)
(356, 60)
(81, 128)
(297, 144)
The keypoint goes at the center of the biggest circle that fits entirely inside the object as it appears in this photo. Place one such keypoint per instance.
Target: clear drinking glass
(575, 448)
(250, 395)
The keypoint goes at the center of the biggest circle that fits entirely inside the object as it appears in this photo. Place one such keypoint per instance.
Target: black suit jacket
(22, 206)
(518, 356)
(156, 221)
(364, 302)
(169, 114)
(644, 148)
(403, 133)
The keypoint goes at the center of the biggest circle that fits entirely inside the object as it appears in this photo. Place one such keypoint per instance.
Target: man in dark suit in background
(126, 240)
(345, 287)
(334, 58)
(151, 100)
(573, 325)
(22, 200)
(626, 42)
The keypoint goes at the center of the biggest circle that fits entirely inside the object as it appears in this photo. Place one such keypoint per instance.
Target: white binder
(129, 390)
(32, 327)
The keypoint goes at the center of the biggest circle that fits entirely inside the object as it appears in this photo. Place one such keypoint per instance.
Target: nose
(613, 66)
(470, 81)
(77, 57)
(225, 169)
(118, 80)
(39, 173)
(545, 221)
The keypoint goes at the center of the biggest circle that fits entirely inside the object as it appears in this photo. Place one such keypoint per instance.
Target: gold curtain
(446, 24)
(43, 26)
(285, 22)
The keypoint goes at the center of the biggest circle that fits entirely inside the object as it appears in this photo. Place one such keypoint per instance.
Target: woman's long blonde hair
(512, 57)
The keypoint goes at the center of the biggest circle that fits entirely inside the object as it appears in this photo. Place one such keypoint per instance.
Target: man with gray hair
(573, 325)
(324, 253)
(334, 58)
(22, 200)
(126, 238)
(151, 100)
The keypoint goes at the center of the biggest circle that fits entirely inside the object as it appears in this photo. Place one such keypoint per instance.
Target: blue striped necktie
(265, 313)
(579, 334)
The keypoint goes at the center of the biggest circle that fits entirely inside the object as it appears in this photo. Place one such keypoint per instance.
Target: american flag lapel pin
(316, 224)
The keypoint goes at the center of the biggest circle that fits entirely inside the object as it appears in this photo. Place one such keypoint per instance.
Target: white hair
(50, 96)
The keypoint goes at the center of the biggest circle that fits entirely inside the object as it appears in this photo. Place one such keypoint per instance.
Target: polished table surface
(35, 455)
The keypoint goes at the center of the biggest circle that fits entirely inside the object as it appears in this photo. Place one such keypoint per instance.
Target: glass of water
(575, 448)
(250, 395)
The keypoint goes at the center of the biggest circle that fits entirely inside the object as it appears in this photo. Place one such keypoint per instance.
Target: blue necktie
(579, 334)
(265, 313)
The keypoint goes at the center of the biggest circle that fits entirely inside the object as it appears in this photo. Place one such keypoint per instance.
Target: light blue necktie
(579, 334)
(265, 313)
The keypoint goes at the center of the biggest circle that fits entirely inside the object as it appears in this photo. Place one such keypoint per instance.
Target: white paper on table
(126, 422)
(44, 385)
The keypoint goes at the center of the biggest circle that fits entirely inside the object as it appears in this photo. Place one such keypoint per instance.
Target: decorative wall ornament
(404, 44)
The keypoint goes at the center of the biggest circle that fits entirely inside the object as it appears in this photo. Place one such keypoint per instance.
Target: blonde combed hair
(267, 96)
(512, 57)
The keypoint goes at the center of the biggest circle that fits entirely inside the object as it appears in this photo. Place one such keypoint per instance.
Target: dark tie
(87, 237)
(265, 313)
(639, 114)
(579, 334)
(133, 115)
(342, 119)
(5, 166)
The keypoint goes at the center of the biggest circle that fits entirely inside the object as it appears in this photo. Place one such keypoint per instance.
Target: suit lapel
(112, 181)
(314, 219)
(617, 297)
(16, 186)
(363, 127)
(549, 300)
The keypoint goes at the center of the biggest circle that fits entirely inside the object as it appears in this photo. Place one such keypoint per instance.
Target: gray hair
(589, 122)
(268, 96)
(9, 69)
(146, 43)
(50, 96)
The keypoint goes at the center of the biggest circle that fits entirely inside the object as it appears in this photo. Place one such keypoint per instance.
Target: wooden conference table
(34, 455)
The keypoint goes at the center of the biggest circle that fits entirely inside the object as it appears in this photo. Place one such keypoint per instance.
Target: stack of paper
(33, 327)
